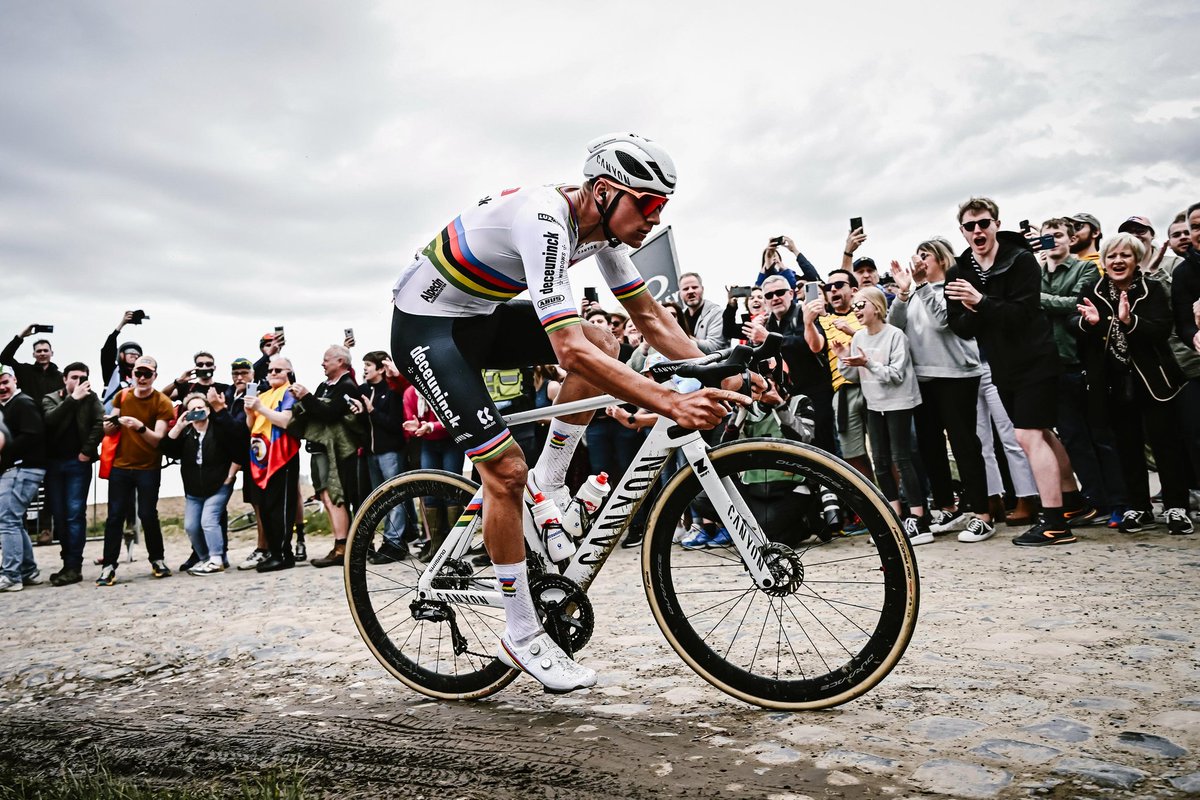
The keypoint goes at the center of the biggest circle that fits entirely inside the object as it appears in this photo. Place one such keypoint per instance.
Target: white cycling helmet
(631, 161)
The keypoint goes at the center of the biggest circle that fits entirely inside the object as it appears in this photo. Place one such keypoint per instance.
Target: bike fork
(732, 510)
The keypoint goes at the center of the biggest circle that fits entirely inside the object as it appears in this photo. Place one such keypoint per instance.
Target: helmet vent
(666, 181)
(633, 166)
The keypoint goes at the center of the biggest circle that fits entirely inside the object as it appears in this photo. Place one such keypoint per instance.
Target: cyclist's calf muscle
(503, 485)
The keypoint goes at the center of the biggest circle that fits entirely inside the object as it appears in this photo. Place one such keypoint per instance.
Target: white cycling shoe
(544, 660)
(561, 495)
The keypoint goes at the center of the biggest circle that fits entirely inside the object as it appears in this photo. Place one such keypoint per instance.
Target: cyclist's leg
(426, 349)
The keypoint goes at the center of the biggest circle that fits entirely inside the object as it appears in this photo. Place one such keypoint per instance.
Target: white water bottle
(587, 502)
(548, 520)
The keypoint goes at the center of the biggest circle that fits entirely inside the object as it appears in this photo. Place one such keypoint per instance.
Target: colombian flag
(271, 447)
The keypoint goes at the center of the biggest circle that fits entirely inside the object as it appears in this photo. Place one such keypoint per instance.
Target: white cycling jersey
(519, 239)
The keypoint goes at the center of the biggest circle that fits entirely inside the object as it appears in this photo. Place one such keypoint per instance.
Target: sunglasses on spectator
(859, 306)
(829, 287)
(205, 364)
(983, 224)
(277, 371)
(143, 373)
(776, 293)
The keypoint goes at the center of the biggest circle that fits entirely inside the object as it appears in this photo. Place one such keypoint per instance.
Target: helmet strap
(605, 213)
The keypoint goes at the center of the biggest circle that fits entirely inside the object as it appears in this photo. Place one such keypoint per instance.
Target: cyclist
(455, 315)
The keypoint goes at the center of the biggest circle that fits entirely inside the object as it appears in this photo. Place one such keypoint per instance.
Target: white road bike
(787, 617)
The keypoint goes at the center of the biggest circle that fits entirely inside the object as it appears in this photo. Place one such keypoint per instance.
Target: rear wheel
(842, 608)
(443, 650)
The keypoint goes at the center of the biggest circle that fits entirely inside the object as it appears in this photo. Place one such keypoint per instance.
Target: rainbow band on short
(492, 447)
(557, 320)
(629, 290)
(452, 257)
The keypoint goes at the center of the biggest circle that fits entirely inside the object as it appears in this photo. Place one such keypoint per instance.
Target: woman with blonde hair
(878, 359)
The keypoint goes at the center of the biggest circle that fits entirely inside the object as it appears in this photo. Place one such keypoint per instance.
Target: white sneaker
(7, 584)
(209, 567)
(913, 530)
(977, 531)
(1178, 522)
(546, 661)
(253, 560)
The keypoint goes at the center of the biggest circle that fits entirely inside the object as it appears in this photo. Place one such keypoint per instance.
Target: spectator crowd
(1035, 379)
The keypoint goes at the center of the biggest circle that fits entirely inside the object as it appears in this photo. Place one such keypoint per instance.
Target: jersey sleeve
(542, 239)
(619, 273)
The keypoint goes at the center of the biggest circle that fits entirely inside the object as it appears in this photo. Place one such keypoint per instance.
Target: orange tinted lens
(649, 203)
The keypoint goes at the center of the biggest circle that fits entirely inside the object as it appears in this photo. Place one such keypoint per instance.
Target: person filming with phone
(198, 379)
(42, 376)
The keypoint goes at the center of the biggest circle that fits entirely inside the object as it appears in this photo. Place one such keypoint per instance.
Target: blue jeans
(122, 484)
(441, 454)
(202, 521)
(381, 467)
(18, 487)
(67, 482)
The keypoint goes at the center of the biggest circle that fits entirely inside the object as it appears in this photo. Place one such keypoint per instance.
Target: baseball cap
(1135, 224)
(865, 261)
(241, 363)
(127, 346)
(1086, 219)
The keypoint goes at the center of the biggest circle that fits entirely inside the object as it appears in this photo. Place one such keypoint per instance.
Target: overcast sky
(230, 166)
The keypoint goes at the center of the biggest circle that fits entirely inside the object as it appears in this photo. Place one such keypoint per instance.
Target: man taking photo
(39, 378)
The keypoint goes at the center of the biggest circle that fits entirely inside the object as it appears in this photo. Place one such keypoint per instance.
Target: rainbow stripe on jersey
(628, 290)
(492, 447)
(452, 257)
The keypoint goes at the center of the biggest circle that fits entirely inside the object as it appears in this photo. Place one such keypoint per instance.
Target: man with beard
(701, 319)
(993, 294)
(1085, 241)
(839, 326)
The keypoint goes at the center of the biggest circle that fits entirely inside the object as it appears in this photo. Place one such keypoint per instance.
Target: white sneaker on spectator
(1178, 522)
(976, 531)
(253, 560)
(917, 532)
(948, 521)
(7, 584)
(543, 659)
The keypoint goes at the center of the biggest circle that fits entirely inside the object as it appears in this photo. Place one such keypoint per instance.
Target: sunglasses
(829, 287)
(277, 371)
(776, 293)
(858, 306)
(205, 365)
(647, 202)
(983, 224)
(143, 373)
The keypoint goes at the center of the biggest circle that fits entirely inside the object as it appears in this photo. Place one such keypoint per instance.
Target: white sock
(551, 469)
(519, 615)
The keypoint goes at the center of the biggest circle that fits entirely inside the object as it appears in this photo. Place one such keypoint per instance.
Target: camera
(138, 316)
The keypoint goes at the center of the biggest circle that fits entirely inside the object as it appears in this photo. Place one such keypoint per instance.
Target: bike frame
(605, 529)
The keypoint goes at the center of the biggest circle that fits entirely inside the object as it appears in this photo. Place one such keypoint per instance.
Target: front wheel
(842, 608)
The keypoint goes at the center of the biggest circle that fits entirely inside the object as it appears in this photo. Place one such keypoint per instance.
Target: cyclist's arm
(659, 328)
(577, 355)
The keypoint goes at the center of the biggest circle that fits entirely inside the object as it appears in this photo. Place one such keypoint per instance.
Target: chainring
(565, 611)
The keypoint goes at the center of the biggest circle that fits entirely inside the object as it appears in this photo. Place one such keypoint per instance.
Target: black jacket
(1185, 290)
(34, 380)
(28, 442)
(223, 444)
(1014, 333)
(73, 423)
(328, 404)
(1151, 359)
(386, 422)
(808, 372)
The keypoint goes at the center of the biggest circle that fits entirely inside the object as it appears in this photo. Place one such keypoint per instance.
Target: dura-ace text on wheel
(838, 613)
(441, 649)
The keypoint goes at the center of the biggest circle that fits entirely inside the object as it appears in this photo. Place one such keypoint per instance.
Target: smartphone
(812, 291)
(778, 240)
(138, 316)
(739, 291)
(43, 328)
(112, 420)
(278, 331)
(1044, 242)
(745, 318)
(350, 333)
(1025, 226)
(252, 389)
(589, 294)
(855, 223)
(192, 416)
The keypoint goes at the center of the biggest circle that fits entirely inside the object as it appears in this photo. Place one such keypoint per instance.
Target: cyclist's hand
(735, 383)
(705, 408)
